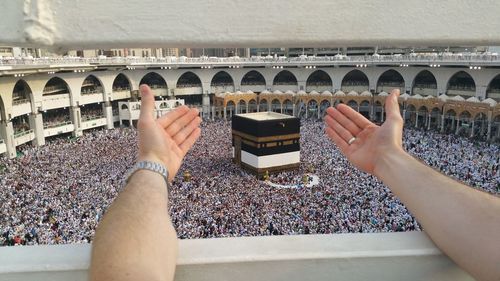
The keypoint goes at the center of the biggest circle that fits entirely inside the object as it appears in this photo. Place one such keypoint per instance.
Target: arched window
(425, 84)
(355, 80)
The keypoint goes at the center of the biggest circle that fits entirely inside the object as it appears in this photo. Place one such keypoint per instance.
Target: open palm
(167, 139)
(370, 142)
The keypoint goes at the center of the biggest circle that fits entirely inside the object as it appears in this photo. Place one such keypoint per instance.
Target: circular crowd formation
(57, 193)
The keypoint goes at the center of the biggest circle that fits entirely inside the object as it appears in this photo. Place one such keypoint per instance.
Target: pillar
(206, 105)
(76, 118)
(281, 108)
(36, 124)
(416, 119)
(7, 134)
(483, 126)
(404, 115)
(382, 115)
(108, 112)
(247, 107)
(428, 121)
(319, 112)
(472, 129)
(442, 123)
(489, 130)
(457, 125)
(213, 112)
(225, 113)
(293, 109)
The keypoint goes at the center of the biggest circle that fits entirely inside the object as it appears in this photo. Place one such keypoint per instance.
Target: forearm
(136, 236)
(462, 221)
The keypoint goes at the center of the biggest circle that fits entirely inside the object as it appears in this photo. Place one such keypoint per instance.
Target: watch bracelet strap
(150, 166)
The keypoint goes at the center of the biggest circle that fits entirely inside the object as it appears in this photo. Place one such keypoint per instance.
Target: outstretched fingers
(185, 132)
(340, 142)
(354, 116)
(190, 140)
(343, 132)
(172, 116)
(181, 122)
(344, 121)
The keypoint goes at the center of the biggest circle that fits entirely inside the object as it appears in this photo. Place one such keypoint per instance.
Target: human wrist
(388, 162)
(151, 158)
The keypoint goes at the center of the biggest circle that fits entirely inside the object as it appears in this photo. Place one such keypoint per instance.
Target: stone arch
(323, 106)
(253, 77)
(353, 104)
(188, 80)
(288, 107)
(423, 109)
(285, 77)
(121, 83)
(424, 84)
(230, 108)
(275, 105)
(56, 86)
(263, 104)
(389, 80)
(157, 84)
(91, 85)
(450, 113)
(465, 114)
(242, 106)
(493, 90)
(480, 125)
(252, 105)
(154, 80)
(364, 108)
(21, 93)
(461, 84)
(222, 81)
(312, 108)
(355, 80)
(319, 81)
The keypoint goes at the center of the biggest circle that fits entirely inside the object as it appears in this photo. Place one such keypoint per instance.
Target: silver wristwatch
(151, 166)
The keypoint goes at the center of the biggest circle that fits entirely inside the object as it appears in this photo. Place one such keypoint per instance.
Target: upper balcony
(414, 59)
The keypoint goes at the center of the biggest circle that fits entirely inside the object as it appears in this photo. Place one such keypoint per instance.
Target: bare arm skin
(463, 222)
(135, 239)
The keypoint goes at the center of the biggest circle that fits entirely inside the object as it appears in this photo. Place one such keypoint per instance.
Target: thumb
(147, 103)
(392, 105)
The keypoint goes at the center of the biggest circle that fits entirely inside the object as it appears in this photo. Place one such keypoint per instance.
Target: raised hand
(167, 139)
(363, 143)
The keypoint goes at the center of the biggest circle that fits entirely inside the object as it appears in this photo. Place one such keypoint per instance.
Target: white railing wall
(376, 256)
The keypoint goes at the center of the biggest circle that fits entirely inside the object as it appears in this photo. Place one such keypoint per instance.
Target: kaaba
(266, 141)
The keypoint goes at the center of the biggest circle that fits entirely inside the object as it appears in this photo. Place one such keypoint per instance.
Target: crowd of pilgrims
(57, 193)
